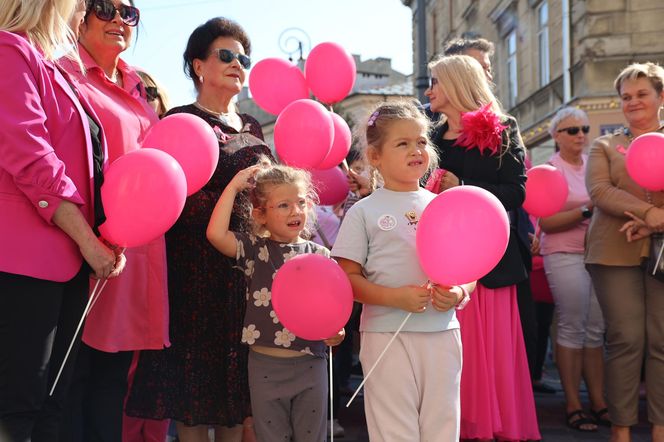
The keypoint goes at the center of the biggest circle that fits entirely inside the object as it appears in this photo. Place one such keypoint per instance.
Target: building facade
(550, 53)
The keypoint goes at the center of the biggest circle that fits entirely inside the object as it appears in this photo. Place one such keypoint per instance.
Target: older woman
(496, 394)
(51, 160)
(632, 302)
(580, 337)
(132, 311)
(202, 379)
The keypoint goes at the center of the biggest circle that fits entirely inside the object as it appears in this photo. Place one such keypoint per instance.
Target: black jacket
(505, 177)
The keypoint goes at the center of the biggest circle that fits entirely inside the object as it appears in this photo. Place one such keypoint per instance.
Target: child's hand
(445, 298)
(244, 179)
(336, 339)
(448, 181)
(412, 298)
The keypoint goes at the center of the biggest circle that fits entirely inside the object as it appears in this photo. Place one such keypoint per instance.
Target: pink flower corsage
(481, 129)
(433, 183)
(621, 149)
(221, 136)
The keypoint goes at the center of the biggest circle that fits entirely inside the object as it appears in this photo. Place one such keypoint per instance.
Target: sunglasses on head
(575, 130)
(105, 10)
(227, 56)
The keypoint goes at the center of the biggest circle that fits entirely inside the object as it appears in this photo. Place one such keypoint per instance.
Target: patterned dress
(202, 377)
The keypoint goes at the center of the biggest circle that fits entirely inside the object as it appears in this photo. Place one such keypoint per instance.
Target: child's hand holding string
(336, 339)
(445, 298)
(413, 298)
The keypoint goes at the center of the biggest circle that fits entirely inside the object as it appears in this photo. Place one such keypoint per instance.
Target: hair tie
(372, 118)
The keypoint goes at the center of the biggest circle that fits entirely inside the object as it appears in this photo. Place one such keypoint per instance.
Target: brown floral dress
(202, 377)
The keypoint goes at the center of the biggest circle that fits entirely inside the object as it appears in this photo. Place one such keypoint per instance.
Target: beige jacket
(613, 192)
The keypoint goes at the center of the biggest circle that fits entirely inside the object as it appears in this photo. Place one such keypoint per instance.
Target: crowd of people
(185, 331)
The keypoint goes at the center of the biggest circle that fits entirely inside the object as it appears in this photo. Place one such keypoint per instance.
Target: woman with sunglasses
(580, 337)
(201, 380)
(52, 157)
(132, 312)
(632, 301)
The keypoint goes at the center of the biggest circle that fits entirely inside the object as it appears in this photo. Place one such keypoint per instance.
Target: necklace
(230, 119)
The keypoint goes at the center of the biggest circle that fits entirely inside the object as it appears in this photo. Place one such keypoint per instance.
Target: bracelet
(464, 299)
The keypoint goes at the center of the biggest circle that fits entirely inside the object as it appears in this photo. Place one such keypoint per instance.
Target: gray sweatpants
(288, 398)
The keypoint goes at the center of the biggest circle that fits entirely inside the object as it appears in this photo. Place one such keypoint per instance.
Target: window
(543, 42)
(513, 86)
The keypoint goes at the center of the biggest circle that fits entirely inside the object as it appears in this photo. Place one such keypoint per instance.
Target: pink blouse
(132, 311)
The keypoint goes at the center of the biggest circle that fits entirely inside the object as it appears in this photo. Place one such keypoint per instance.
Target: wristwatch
(586, 212)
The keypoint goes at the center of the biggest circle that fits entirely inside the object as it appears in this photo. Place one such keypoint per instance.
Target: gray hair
(564, 113)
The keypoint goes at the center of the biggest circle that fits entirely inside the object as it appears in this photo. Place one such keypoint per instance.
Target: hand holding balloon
(445, 298)
(411, 298)
(337, 339)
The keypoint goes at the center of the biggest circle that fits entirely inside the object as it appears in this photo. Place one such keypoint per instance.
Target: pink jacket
(45, 158)
(132, 311)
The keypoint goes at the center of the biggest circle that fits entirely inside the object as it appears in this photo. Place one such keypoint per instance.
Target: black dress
(202, 377)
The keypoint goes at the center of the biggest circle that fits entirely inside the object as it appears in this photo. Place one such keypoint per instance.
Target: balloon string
(537, 226)
(659, 257)
(331, 400)
(394, 336)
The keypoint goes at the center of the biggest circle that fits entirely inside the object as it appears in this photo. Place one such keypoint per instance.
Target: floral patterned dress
(202, 377)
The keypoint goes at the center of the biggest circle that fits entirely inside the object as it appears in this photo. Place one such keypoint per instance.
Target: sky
(370, 28)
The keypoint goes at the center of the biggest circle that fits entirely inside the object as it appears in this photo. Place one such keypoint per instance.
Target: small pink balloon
(143, 193)
(546, 191)
(457, 224)
(331, 185)
(312, 297)
(645, 161)
(340, 143)
(192, 142)
(303, 134)
(275, 83)
(330, 72)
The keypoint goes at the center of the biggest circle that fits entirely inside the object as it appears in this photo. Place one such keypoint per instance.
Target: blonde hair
(653, 72)
(275, 175)
(162, 96)
(46, 23)
(374, 129)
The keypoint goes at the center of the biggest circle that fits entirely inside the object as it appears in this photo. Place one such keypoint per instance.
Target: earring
(200, 79)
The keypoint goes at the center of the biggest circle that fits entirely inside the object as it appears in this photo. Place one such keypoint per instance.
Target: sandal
(602, 417)
(581, 419)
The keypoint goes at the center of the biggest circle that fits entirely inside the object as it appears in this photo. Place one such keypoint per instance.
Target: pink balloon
(331, 185)
(340, 143)
(192, 142)
(303, 134)
(645, 161)
(330, 72)
(461, 235)
(275, 83)
(312, 296)
(546, 191)
(143, 193)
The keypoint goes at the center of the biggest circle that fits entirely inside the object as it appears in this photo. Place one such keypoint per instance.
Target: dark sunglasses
(105, 10)
(227, 56)
(151, 93)
(575, 130)
(433, 81)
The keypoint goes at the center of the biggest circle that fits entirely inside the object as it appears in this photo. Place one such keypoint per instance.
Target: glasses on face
(227, 56)
(433, 81)
(287, 207)
(575, 130)
(105, 10)
(151, 93)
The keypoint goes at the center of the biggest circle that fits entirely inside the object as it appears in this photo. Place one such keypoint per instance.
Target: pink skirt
(496, 392)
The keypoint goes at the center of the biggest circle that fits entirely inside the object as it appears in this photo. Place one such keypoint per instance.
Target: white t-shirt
(378, 232)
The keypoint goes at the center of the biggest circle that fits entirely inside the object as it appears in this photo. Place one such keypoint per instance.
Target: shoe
(337, 429)
(602, 417)
(541, 387)
(577, 419)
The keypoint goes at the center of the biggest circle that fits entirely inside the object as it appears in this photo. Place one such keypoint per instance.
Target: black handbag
(655, 264)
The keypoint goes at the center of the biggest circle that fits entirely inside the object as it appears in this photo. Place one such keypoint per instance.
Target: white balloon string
(659, 257)
(331, 399)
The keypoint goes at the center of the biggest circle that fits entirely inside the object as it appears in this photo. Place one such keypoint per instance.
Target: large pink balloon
(461, 235)
(303, 134)
(546, 191)
(331, 185)
(340, 143)
(192, 142)
(645, 161)
(275, 83)
(330, 72)
(312, 297)
(143, 193)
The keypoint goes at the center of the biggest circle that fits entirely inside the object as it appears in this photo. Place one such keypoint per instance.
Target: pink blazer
(45, 158)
